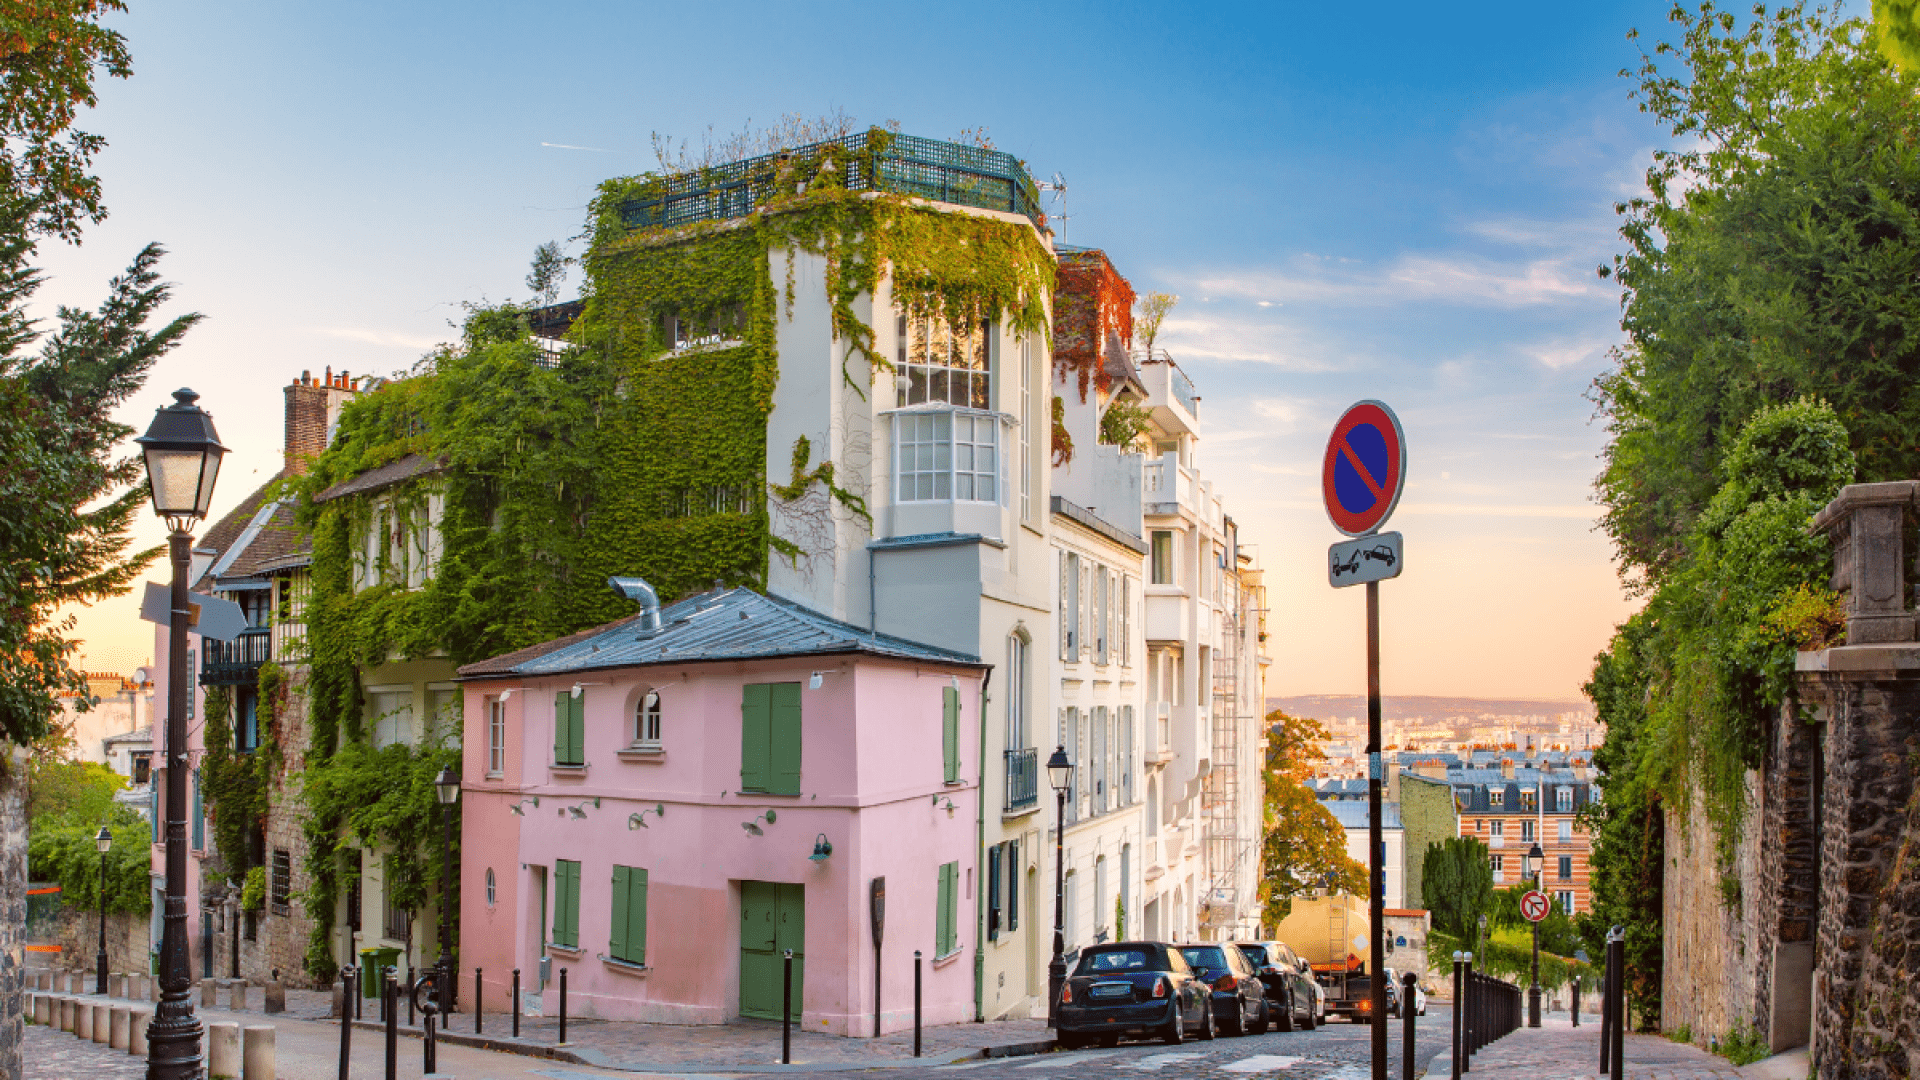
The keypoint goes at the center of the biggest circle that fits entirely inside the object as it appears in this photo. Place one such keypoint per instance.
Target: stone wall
(13, 908)
(1708, 976)
(129, 941)
(1866, 1019)
(1428, 816)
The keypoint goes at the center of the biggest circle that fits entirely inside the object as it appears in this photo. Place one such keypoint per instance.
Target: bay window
(947, 455)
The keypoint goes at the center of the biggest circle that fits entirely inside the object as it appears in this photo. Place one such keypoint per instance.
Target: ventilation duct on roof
(640, 592)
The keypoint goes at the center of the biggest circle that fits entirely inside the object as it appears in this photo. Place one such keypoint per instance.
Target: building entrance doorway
(773, 919)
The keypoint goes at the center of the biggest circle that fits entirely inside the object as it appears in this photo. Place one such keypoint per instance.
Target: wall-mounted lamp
(822, 847)
(639, 820)
(814, 682)
(938, 799)
(578, 809)
(519, 809)
(508, 692)
(753, 827)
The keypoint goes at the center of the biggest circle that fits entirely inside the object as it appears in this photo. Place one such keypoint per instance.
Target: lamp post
(183, 459)
(1059, 774)
(446, 788)
(1535, 860)
(104, 841)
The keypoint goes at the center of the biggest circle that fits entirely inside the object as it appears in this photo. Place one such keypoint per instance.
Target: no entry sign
(1533, 906)
(1365, 468)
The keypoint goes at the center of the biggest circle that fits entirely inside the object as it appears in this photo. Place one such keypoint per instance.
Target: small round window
(490, 892)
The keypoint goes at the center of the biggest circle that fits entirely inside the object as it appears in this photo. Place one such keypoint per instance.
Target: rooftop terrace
(873, 160)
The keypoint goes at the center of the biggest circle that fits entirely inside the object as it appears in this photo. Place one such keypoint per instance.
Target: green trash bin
(372, 963)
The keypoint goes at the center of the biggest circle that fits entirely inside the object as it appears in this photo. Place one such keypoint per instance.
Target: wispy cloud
(1564, 354)
(570, 146)
(1453, 279)
(1262, 339)
(392, 339)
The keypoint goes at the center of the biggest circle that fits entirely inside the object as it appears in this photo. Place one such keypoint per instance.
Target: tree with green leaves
(1303, 848)
(1457, 879)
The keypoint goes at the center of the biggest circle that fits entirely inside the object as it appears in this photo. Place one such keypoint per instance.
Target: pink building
(665, 805)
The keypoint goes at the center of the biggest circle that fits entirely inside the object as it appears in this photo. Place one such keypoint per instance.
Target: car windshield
(1116, 960)
(1207, 956)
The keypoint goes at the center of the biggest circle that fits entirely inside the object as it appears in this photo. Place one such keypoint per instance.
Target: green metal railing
(872, 161)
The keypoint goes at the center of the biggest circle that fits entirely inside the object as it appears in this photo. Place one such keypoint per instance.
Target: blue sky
(1404, 201)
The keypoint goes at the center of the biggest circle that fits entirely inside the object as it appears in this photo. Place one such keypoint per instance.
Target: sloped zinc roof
(734, 624)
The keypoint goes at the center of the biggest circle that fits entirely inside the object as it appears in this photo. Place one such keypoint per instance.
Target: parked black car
(1141, 988)
(1239, 997)
(1290, 995)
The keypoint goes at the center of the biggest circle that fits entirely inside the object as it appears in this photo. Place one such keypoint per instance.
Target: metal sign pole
(1376, 899)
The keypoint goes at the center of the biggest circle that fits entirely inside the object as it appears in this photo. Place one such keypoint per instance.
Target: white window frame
(1566, 831)
(1563, 800)
(906, 364)
(377, 719)
(496, 737)
(1072, 604)
(1026, 430)
(646, 727)
(1018, 653)
(938, 433)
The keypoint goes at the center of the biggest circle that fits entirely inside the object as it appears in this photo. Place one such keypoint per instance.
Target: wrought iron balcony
(872, 160)
(1023, 778)
(236, 662)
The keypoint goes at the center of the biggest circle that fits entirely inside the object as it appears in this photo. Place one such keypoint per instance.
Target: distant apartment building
(1510, 801)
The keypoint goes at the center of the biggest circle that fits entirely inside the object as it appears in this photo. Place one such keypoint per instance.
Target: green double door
(773, 919)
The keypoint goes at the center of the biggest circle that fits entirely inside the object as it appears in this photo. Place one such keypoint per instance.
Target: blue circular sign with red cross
(1365, 469)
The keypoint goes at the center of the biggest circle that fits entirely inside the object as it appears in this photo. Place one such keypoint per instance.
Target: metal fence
(237, 661)
(1023, 778)
(868, 161)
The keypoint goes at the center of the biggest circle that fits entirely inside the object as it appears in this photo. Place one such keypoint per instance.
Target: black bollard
(786, 1013)
(476, 1001)
(916, 1003)
(1406, 1018)
(390, 1009)
(346, 1018)
(563, 1006)
(1606, 1006)
(1617, 949)
(516, 1003)
(1575, 980)
(409, 982)
(1459, 1019)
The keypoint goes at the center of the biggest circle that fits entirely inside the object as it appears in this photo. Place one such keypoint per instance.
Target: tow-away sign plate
(1370, 558)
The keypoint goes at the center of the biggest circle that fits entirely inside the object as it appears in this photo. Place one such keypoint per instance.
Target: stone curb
(599, 1060)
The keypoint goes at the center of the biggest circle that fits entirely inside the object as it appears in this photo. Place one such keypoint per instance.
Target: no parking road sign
(1365, 468)
(1533, 906)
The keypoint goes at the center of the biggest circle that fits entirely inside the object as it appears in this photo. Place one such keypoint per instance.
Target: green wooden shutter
(950, 732)
(637, 916)
(577, 728)
(560, 724)
(199, 815)
(566, 908)
(617, 937)
(943, 915)
(786, 739)
(756, 737)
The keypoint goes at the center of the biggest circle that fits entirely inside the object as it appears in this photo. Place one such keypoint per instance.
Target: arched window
(646, 721)
(490, 889)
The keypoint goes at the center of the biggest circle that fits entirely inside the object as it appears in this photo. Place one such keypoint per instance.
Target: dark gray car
(1290, 994)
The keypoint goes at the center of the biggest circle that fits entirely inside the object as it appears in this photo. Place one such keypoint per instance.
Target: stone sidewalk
(1558, 1049)
(749, 1045)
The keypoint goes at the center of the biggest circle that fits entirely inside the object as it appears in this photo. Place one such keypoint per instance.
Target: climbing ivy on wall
(618, 454)
(233, 783)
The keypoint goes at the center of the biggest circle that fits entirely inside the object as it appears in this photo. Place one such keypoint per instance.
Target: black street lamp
(183, 459)
(104, 841)
(1059, 774)
(446, 789)
(1535, 861)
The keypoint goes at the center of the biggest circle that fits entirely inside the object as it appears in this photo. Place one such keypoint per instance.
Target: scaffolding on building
(1230, 843)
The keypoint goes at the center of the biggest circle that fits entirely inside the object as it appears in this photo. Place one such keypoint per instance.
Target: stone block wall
(1866, 1019)
(129, 941)
(1428, 815)
(1708, 975)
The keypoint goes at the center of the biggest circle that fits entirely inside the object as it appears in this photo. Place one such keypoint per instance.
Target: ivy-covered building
(245, 912)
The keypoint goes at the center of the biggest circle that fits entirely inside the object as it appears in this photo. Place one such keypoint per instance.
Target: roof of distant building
(1353, 815)
(393, 472)
(731, 624)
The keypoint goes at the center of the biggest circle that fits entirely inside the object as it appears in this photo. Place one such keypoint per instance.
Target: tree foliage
(67, 803)
(1304, 849)
(1456, 879)
(50, 53)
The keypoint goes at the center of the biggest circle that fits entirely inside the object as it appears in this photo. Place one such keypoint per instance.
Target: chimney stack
(1506, 767)
(313, 406)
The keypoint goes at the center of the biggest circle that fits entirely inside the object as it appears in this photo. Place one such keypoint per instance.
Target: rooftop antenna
(1058, 186)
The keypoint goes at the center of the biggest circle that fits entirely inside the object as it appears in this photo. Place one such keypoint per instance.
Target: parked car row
(1150, 989)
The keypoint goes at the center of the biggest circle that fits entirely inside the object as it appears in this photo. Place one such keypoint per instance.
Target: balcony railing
(236, 662)
(872, 160)
(1023, 778)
